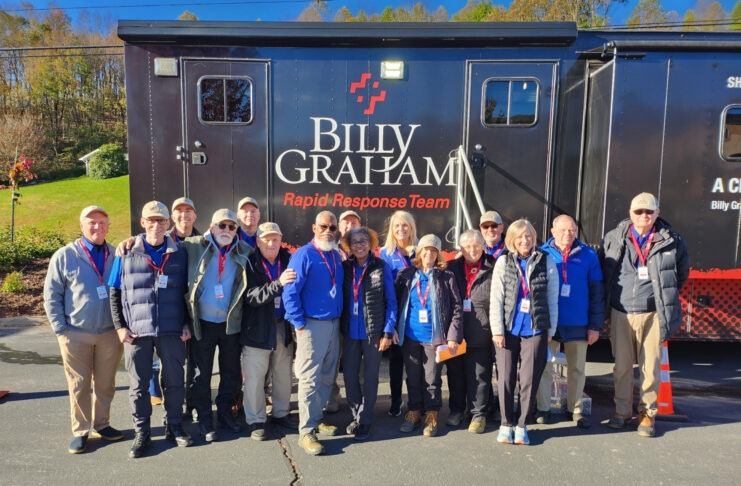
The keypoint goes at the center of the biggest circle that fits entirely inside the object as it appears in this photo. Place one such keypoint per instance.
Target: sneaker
(477, 425)
(226, 420)
(78, 445)
(311, 444)
(285, 422)
(521, 437)
(362, 433)
(506, 435)
(352, 427)
(411, 421)
(618, 422)
(326, 429)
(646, 427)
(395, 409)
(141, 442)
(208, 432)
(430, 429)
(107, 433)
(179, 436)
(258, 431)
(581, 421)
(455, 419)
(542, 417)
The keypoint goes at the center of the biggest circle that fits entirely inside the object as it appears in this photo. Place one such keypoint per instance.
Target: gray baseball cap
(92, 209)
(248, 200)
(183, 201)
(155, 209)
(427, 241)
(224, 214)
(490, 217)
(269, 228)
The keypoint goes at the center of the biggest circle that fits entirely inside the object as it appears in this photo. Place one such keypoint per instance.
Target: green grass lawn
(58, 205)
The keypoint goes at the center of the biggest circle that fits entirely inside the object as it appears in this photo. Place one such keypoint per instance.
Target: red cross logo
(381, 96)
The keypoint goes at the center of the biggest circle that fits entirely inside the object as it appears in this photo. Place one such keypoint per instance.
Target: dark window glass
(523, 100)
(495, 102)
(238, 101)
(732, 134)
(212, 100)
(510, 103)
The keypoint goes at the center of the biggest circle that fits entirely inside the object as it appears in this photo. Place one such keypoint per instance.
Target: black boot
(176, 434)
(207, 430)
(227, 421)
(142, 441)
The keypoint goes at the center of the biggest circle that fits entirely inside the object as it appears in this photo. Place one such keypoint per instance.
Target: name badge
(423, 316)
(276, 302)
(525, 306)
(102, 292)
(642, 273)
(355, 308)
(466, 305)
(565, 290)
(162, 282)
(219, 291)
(333, 292)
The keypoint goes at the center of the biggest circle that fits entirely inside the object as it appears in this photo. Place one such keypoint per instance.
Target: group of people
(500, 306)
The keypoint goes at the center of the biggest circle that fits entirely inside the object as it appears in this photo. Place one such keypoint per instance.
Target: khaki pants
(90, 359)
(636, 337)
(576, 357)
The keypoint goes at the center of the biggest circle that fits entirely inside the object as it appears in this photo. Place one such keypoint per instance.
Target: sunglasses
(486, 226)
(231, 227)
(643, 211)
(330, 227)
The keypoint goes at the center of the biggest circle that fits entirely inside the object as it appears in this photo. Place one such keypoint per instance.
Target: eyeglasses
(643, 211)
(359, 242)
(231, 227)
(486, 226)
(330, 227)
(160, 222)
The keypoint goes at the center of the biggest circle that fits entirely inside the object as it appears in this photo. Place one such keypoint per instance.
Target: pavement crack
(294, 467)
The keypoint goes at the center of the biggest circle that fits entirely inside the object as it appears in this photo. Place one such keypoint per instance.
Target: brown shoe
(430, 429)
(411, 421)
(646, 426)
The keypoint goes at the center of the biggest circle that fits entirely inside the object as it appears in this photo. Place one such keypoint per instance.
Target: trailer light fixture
(392, 69)
(165, 66)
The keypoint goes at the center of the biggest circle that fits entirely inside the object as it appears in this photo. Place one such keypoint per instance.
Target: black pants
(477, 363)
(424, 376)
(361, 398)
(230, 373)
(531, 353)
(396, 372)
(456, 384)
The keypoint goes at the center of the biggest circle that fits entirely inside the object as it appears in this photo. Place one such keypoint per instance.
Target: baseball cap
(224, 215)
(248, 200)
(429, 240)
(644, 200)
(348, 213)
(183, 200)
(490, 217)
(269, 228)
(91, 209)
(155, 209)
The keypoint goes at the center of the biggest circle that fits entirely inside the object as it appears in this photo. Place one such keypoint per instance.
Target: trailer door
(510, 114)
(225, 132)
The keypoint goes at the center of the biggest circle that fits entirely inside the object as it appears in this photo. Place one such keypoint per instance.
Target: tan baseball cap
(644, 200)
(224, 214)
(429, 240)
(91, 209)
(269, 228)
(348, 213)
(490, 217)
(248, 200)
(183, 201)
(155, 209)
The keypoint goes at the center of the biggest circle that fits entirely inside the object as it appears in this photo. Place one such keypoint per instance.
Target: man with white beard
(313, 304)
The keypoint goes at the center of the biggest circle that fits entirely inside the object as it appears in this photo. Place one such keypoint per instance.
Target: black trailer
(446, 120)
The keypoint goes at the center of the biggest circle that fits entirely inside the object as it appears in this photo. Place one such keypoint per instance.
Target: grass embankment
(57, 205)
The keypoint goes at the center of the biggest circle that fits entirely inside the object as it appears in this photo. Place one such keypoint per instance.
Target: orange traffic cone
(3, 393)
(665, 402)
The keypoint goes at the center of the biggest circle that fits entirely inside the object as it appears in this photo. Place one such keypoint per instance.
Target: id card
(276, 302)
(423, 316)
(162, 282)
(565, 290)
(219, 291)
(355, 308)
(525, 306)
(642, 273)
(102, 292)
(466, 305)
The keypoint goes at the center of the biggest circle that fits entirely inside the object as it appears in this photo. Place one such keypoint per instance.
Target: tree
(474, 11)
(344, 15)
(647, 12)
(316, 12)
(712, 15)
(18, 135)
(440, 15)
(689, 20)
(736, 17)
(186, 15)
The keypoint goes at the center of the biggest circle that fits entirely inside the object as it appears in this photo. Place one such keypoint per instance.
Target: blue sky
(281, 10)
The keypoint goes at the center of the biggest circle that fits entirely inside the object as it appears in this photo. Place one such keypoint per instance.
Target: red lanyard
(499, 251)
(565, 258)
(267, 269)
(403, 258)
(95, 267)
(159, 269)
(523, 282)
(356, 287)
(642, 256)
(222, 261)
(334, 263)
(471, 273)
(423, 300)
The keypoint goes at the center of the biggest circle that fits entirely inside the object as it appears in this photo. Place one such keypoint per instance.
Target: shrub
(108, 162)
(14, 283)
(30, 243)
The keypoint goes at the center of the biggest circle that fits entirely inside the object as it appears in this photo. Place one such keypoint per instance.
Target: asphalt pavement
(706, 378)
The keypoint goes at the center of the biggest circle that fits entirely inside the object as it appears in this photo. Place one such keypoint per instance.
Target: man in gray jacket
(77, 305)
(644, 264)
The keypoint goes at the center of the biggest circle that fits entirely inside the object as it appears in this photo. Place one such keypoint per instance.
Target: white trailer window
(225, 100)
(730, 139)
(510, 102)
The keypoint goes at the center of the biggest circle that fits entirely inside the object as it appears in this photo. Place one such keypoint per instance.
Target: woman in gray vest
(523, 317)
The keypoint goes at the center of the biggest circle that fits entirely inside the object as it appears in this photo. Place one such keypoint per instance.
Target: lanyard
(334, 263)
(267, 269)
(423, 300)
(523, 282)
(641, 255)
(95, 267)
(356, 287)
(159, 269)
(498, 249)
(471, 273)
(222, 261)
(565, 258)
(403, 258)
